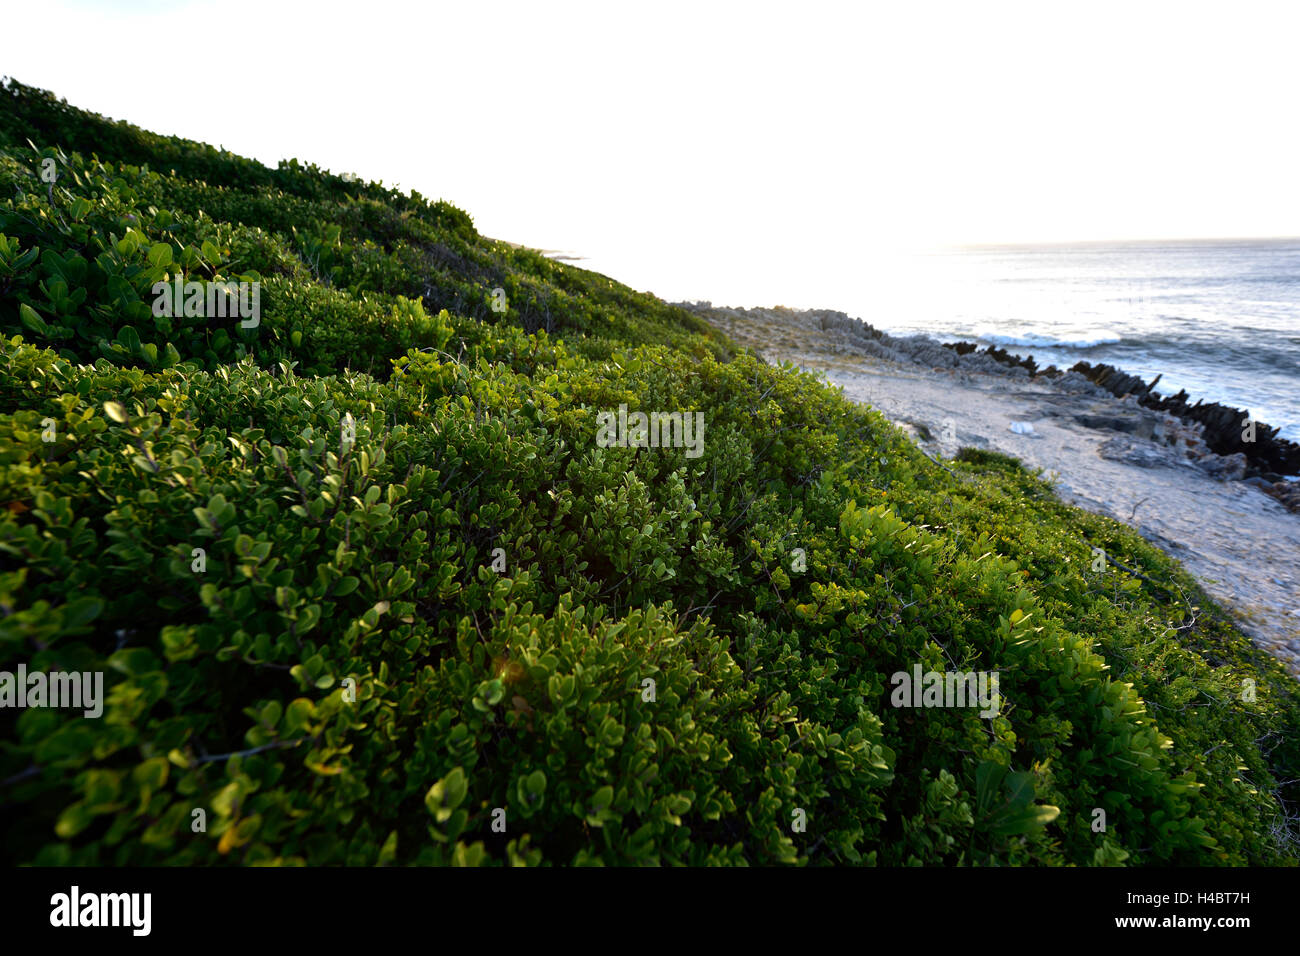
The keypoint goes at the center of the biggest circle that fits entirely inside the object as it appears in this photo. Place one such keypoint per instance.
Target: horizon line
(1110, 242)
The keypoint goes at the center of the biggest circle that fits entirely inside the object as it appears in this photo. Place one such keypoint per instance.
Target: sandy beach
(1102, 453)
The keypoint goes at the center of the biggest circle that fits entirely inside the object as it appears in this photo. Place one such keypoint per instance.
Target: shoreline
(1142, 466)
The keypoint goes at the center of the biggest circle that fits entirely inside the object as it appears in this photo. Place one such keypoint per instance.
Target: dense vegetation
(358, 651)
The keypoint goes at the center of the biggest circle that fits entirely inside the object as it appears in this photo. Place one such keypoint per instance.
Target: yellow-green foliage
(429, 595)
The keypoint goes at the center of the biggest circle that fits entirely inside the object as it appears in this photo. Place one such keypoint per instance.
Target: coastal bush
(367, 589)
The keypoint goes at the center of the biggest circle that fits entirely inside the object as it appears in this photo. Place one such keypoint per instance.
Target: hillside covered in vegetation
(366, 587)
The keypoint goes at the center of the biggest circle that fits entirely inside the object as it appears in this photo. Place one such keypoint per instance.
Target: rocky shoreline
(1210, 436)
(1107, 444)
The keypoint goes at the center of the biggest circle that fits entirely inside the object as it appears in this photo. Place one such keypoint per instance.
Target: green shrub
(364, 586)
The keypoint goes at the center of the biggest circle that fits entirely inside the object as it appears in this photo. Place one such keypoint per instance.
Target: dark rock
(1133, 451)
(1111, 422)
(1223, 425)
(1224, 467)
(1003, 357)
(1287, 492)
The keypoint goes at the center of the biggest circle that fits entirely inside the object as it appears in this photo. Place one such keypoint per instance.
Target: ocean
(1219, 318)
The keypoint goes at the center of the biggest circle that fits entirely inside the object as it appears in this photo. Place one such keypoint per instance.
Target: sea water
(1219, 318)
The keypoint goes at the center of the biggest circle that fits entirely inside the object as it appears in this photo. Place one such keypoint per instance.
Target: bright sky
(737, 152)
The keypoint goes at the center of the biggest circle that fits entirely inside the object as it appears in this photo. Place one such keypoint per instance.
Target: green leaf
(32, 320)
(115, 411)
(1024, 821)
(151, 774)
(129, 338)
(77, 614)
(472, 855)
(308, 618)
(298, 713)
(446, 795)
(133, 661)
(988, 775)
(73, 820)
(388, 852)
(1021, 789)
(160, 254)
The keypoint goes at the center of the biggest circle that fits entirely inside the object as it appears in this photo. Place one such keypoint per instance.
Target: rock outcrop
(1226, 431)
(1152, 430)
